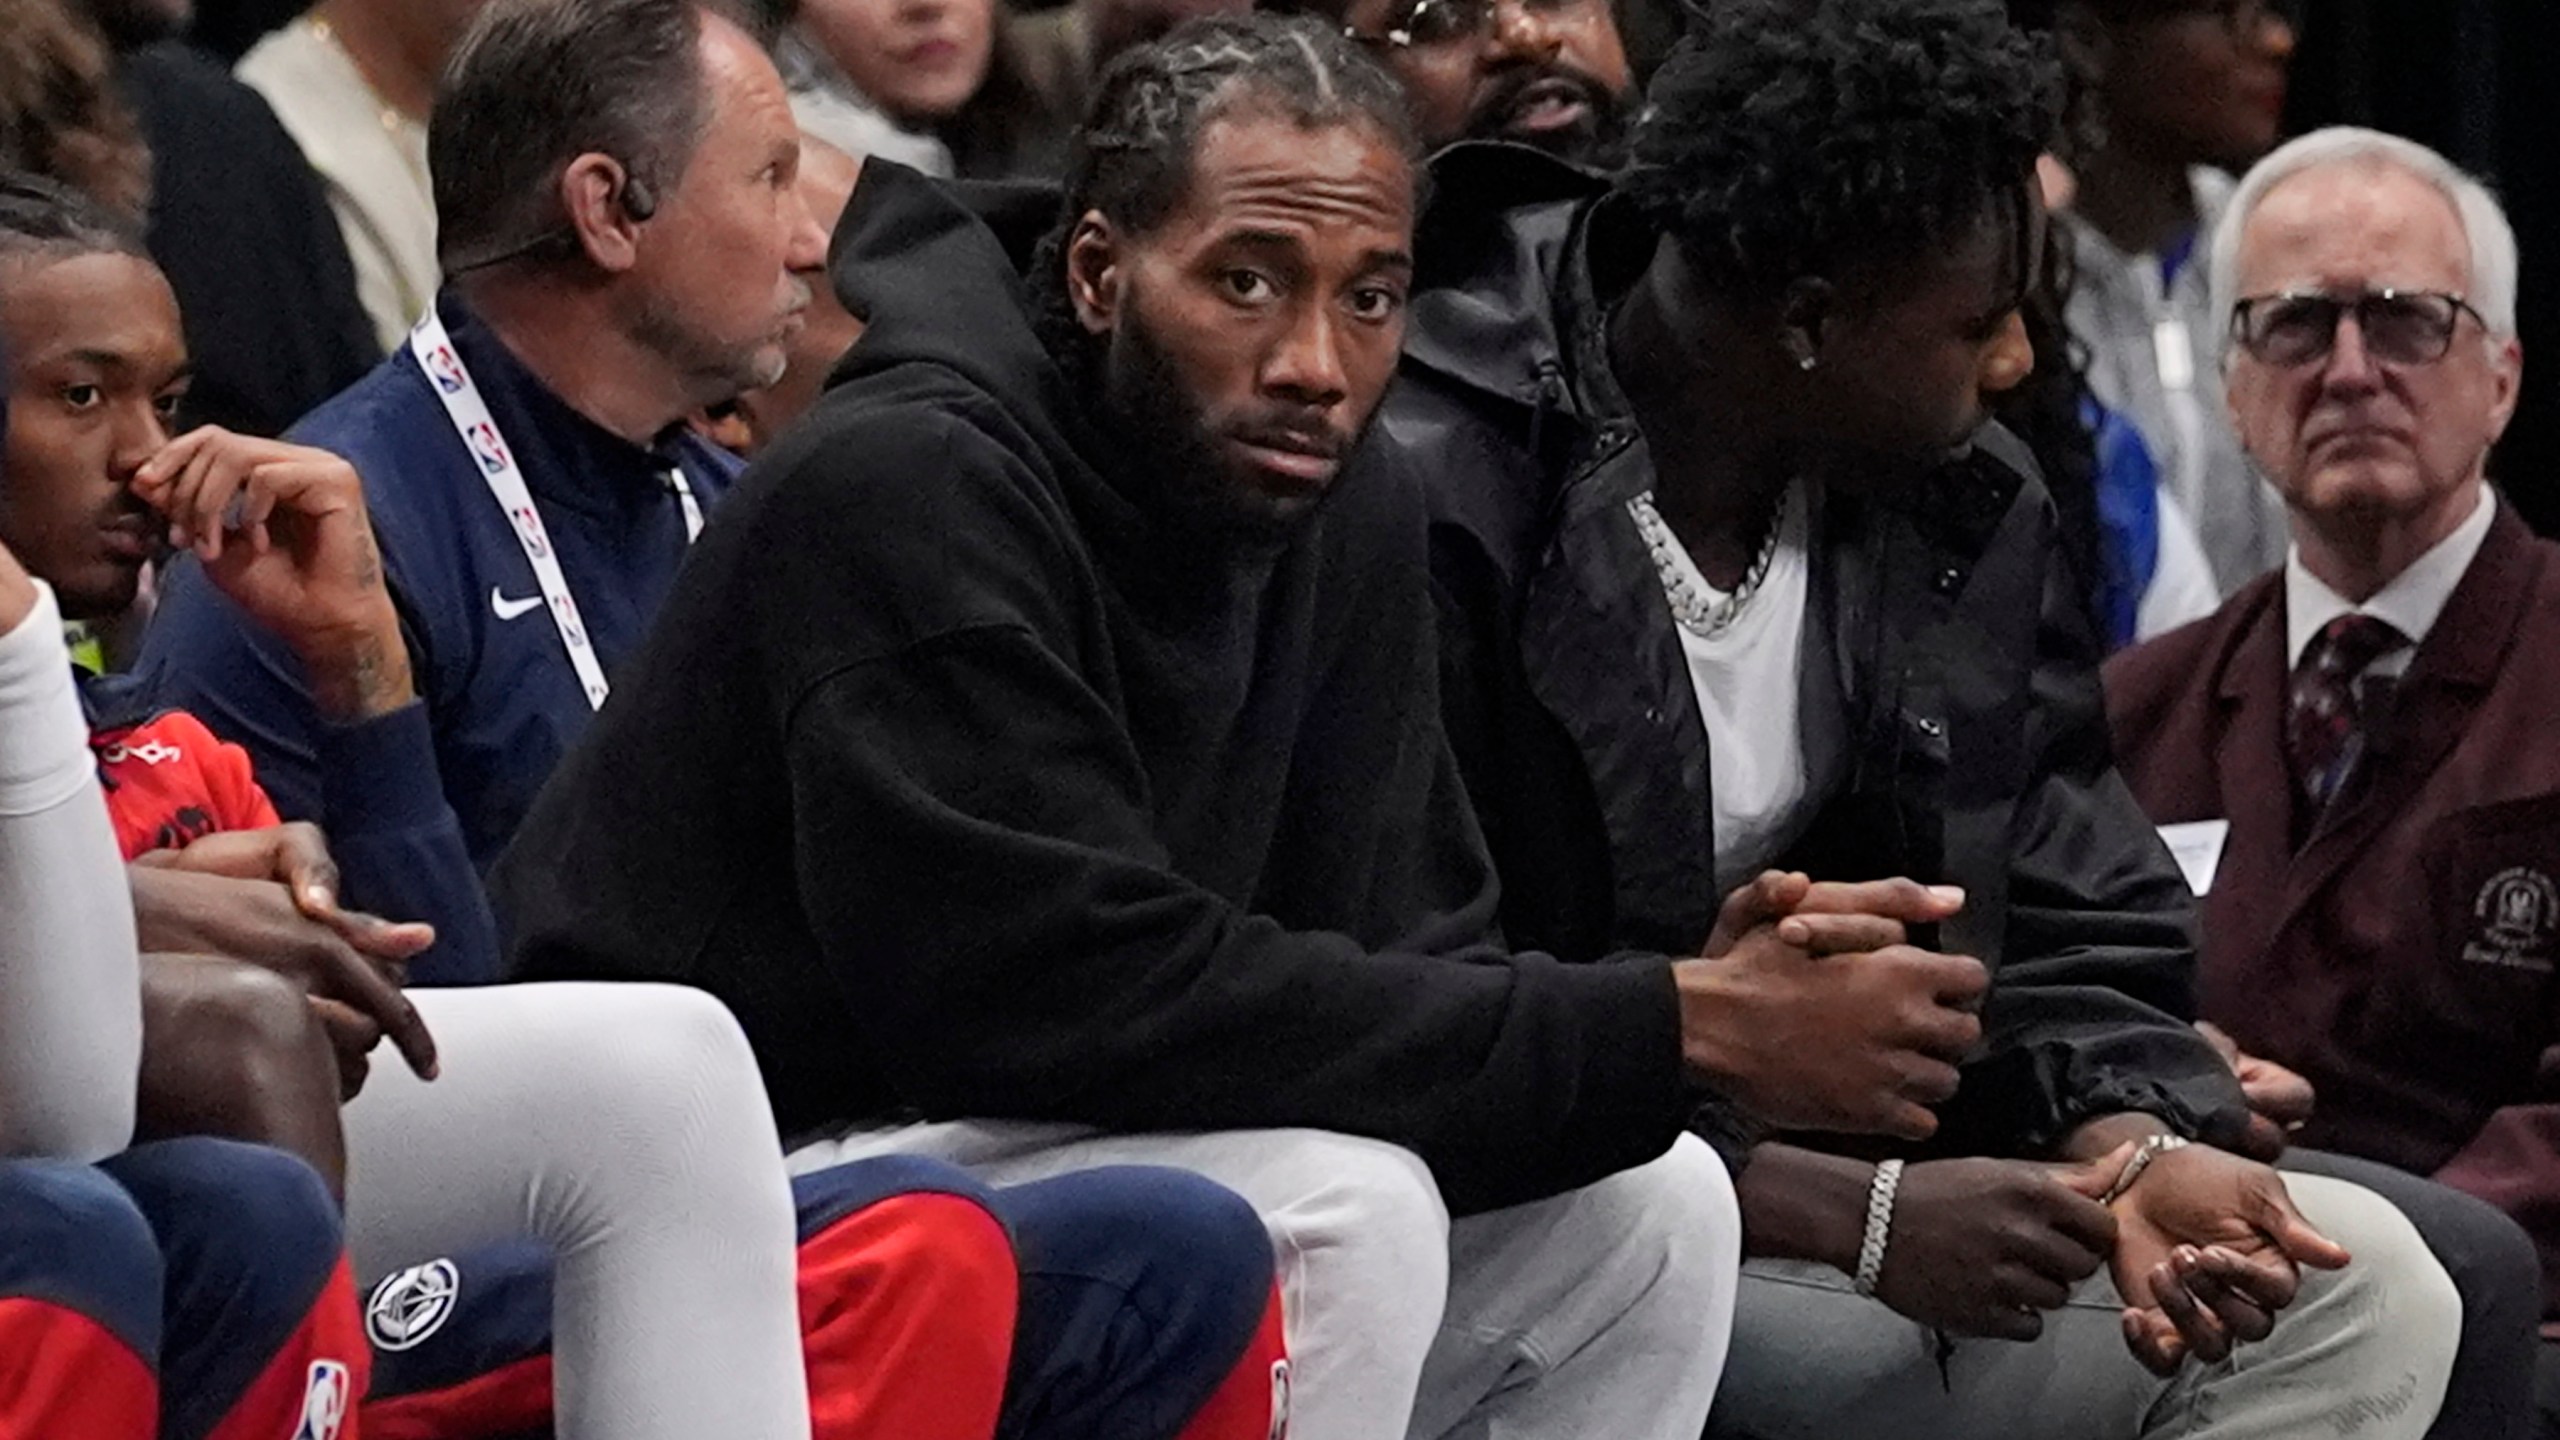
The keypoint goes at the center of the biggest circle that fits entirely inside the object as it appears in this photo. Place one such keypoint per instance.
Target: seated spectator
(1063, 48)
(610, 279)
(352, 82)
(2176, 93)
(2355, 753)
(1720, 593)
(188, 1288)
(2130, 539)
(750, 422)
(940, 71)
(1547, 73)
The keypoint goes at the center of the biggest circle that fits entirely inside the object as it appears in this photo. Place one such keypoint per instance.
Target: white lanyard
(471, 420)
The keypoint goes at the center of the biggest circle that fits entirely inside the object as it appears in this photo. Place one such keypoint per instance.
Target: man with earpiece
(623, 243)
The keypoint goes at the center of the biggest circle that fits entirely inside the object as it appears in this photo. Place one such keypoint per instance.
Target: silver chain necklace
(1693, 611)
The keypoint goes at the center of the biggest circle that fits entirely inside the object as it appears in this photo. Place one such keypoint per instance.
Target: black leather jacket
(1975, 744)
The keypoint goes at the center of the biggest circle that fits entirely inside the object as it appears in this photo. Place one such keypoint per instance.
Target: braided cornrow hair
(1133, 154)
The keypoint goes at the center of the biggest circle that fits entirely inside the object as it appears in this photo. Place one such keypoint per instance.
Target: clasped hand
(269, 898)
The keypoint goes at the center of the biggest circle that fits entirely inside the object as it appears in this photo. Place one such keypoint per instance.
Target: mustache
(1280, 434)
(1503, 95)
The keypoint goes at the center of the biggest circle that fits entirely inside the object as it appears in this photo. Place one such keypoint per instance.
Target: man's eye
(82, 397)
(166, 406)
(1375, 302)
(1247, 285)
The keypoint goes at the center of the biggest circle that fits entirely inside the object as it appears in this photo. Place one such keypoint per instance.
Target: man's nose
(807, 249)
(1525, 30)
(1307, 365)
(2275, 36)
(2350, 365)
(140, 433)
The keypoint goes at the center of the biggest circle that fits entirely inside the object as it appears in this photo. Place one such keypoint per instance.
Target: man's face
(827, 178)
(1549, 73)
(2352, 435)
(2198, 82)
(1904, 369)
(97, 367)
(1248, 338)
(724, 268)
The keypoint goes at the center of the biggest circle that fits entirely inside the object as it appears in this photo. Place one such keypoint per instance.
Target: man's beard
(1598, 140)
(716, 371)
(1191, 477)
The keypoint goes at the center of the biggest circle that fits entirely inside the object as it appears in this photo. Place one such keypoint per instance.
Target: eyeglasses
(1427, 24)
(2400, 327)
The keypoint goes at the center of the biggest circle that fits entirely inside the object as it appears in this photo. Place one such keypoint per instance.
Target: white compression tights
(626, 1125)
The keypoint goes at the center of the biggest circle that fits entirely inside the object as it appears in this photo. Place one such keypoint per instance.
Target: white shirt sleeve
(70, 986)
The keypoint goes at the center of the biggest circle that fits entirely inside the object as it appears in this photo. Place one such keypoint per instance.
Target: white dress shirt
(2410, 603)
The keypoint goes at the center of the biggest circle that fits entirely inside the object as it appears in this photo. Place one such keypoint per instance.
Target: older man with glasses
(2355, 756)
(1547, 73)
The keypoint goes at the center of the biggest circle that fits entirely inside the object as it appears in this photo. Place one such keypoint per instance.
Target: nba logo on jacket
(325, 1399)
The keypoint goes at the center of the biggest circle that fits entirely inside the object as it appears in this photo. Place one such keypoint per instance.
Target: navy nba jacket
(439, 792)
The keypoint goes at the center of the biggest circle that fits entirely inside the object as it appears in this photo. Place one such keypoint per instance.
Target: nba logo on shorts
(445, 369)
(487, 447)
(325, 1399)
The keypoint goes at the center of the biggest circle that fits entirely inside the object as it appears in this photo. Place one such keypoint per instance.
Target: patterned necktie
(2323, 731)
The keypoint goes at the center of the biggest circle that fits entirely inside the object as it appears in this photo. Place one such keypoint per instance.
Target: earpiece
(637, 201)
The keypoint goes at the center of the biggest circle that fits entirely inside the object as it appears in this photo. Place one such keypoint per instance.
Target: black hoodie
(975, 791)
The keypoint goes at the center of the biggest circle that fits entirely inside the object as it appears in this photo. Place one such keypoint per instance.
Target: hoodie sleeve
(375, 787)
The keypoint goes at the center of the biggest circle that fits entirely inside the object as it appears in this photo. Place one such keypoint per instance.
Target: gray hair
(533, 85)
(2493, 240)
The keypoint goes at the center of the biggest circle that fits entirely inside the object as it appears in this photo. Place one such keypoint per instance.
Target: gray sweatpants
(2362, 1352)
(1602, 1312)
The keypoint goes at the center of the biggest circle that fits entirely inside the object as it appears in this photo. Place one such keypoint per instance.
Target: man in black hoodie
(1042, 750)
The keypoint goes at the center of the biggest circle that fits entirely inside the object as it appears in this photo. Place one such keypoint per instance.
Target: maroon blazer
(2402, 958)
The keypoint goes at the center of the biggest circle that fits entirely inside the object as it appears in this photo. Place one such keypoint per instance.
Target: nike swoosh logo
(509, 609)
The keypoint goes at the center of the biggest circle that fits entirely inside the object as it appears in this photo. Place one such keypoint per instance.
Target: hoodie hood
(934, 283)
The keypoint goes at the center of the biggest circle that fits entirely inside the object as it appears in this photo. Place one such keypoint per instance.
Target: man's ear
(1805, 315)
(1094, 276)
(604, 227)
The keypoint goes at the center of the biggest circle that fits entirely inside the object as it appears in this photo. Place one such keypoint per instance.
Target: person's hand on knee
(2209, 1248)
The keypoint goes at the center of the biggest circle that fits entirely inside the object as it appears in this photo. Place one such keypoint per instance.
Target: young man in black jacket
(1043, 749)
(1716, 599)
